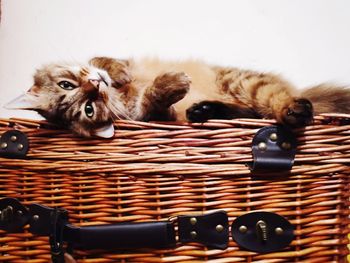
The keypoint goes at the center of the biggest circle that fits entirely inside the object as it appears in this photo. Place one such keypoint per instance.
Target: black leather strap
(273, 148)
(122, 235)
(58, 221)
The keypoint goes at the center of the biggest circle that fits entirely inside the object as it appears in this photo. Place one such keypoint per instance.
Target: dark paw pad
(299, 113)
(200, 112)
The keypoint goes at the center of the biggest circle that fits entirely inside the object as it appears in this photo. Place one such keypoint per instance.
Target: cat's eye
(66, 85)
(89, 109)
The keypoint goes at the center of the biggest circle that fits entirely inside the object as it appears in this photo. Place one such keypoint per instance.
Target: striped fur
(151, 89)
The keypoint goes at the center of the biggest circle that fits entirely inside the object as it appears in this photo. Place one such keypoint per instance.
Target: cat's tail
(328, 98)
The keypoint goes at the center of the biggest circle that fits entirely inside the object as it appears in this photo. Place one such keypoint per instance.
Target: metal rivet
(243, 229)
(219, 228)
(279, 231)
(193, 234)
(193, 221)
(262, 146)
(13, 138)
(273, 136)
(286, 145)
(20, 147)
(36, 217)
(4, 145)
(19, 213)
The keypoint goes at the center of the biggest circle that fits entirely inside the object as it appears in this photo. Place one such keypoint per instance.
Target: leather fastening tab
(13, 215)
(14, 144)
(122, 235)
(40, 222)
(262, 232)
(211, 229)
(273, 148)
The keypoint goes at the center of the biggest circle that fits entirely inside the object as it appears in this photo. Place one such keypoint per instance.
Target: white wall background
(308, 41)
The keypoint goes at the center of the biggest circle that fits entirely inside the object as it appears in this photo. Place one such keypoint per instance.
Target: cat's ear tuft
(25, 101)
(105, 132)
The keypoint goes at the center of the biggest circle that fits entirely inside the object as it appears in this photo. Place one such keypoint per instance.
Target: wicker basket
(153, 171)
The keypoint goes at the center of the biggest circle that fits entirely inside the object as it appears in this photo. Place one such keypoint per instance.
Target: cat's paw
(299, 113)
(170, 87)
(201, 112)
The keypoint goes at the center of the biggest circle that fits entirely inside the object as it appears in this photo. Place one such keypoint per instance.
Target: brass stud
(219, 228)
(262, 146)
(279, 231)
(286, 145)
(193, 234)
(243, 229)
(13, 138)
(36, 217)
(193, 221)
(273, 137)
(3, 145)
(20, 147)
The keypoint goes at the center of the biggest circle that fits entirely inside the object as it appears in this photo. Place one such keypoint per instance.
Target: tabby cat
(88, 98)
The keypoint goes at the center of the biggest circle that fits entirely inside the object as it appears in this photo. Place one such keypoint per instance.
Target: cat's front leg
(205, 110)
(166, 90)
(169, 88)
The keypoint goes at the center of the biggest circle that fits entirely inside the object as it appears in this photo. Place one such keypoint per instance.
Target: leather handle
(208, 229)
(124, 235)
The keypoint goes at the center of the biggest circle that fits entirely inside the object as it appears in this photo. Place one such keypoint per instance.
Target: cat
(88, 98)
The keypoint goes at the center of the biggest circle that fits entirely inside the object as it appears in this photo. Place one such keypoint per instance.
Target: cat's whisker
(114, 110)
(118, 113)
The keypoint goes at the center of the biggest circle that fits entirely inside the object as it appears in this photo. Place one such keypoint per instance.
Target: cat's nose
(95, 82)
(91, 85)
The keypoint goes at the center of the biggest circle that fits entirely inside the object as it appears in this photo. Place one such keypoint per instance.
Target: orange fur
(151, 89)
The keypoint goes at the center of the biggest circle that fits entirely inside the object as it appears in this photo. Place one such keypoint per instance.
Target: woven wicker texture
(153, 171)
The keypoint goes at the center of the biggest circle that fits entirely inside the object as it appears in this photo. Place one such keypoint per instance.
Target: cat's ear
(26, 101)
(105, 132)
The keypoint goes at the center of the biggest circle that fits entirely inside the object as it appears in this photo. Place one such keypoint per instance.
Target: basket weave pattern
(155, 171)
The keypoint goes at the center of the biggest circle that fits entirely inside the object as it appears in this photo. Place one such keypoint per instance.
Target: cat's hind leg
(298, 113)
(267, 94)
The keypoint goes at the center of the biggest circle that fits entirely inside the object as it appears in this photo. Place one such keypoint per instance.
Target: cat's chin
(105, 132)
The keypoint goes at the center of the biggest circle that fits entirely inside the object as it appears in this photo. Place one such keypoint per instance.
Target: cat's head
(85, 99)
